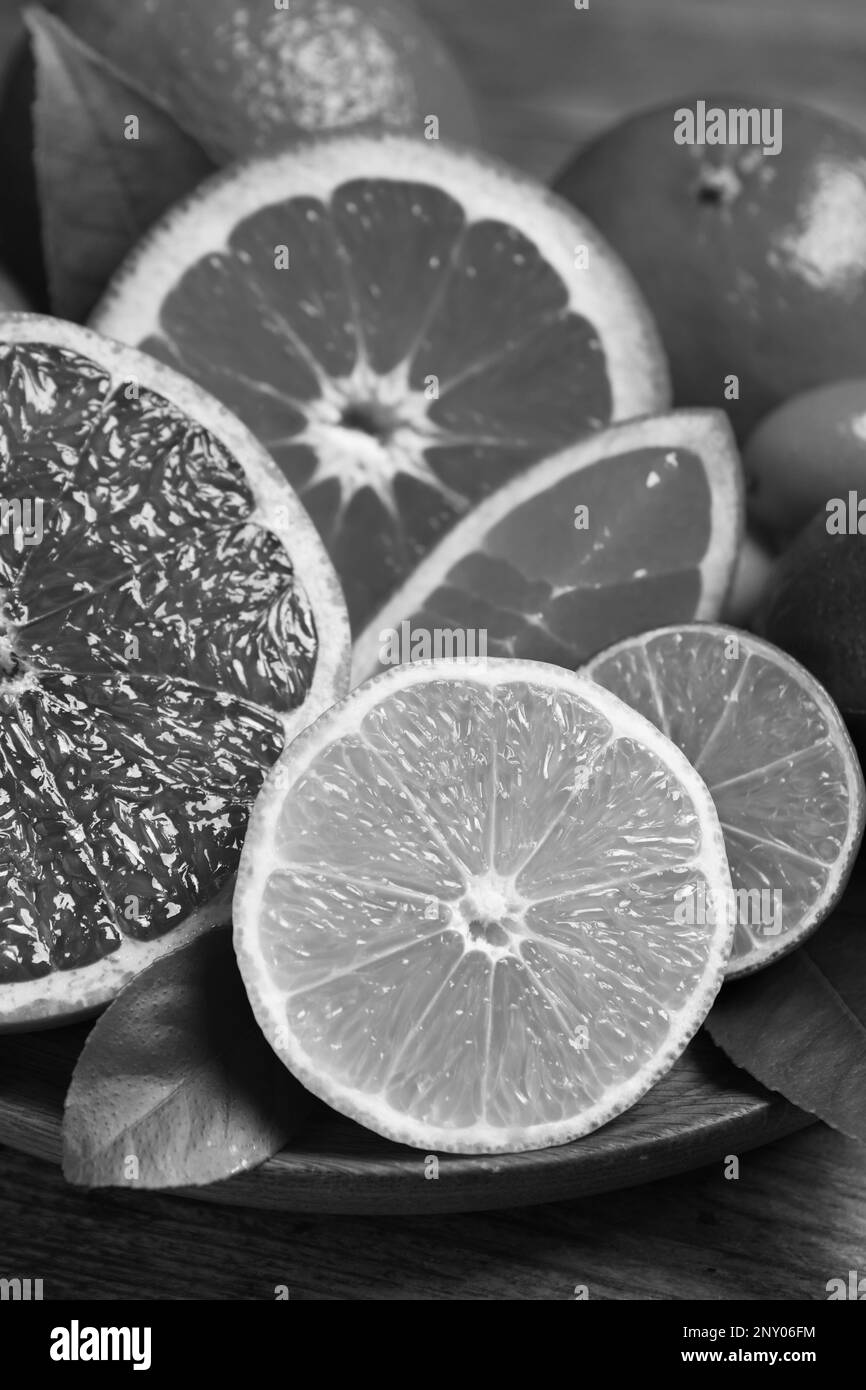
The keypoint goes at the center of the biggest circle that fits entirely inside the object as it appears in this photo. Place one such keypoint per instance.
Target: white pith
(64, 995)
(766, 949)
(259, 859)
(705, 432)
(604, 292)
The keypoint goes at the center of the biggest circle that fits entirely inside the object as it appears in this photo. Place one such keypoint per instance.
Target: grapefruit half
(169, 619)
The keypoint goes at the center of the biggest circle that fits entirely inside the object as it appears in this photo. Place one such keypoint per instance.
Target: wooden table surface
(548, 76)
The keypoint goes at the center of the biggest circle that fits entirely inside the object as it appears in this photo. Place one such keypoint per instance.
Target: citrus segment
(168, 618)
(638, 524)
(774, 752)
(404, 327)
(455, 910)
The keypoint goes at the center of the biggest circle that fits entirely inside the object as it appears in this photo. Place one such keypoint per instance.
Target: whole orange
(815, 608)
(240, 76)
(807, 452)
(754, 264)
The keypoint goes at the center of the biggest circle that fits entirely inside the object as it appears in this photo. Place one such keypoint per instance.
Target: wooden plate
(703, 1110)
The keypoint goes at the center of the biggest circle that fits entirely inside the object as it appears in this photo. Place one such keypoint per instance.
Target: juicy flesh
(151, 638)
(769, 757)
(473, 915)
(453, 341)
(545, 589)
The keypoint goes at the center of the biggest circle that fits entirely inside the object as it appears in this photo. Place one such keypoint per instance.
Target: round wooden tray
(703, 1110)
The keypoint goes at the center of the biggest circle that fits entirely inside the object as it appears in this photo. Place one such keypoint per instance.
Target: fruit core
(369, 428)
(490, 915)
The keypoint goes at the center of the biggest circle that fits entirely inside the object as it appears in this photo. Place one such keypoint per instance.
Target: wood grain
(703, 1109)
(794, 1218)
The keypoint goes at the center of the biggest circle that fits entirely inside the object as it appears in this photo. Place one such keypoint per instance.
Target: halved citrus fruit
(403, 326)
(455, 908)
(637, 525)
(169, 618)
(776, 756)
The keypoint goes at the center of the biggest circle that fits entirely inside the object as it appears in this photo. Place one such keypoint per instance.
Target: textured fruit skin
(807, 451)
(754, 265)
(815, 608)
(241, 77)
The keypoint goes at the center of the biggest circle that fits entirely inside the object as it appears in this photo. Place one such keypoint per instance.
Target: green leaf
(800, 1026)
(176, 1086)
(100, 189)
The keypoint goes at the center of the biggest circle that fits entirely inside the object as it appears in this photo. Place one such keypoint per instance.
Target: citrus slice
(169, 618)
(455, 909)
(402, 325)
(635, 526)
(775, 754)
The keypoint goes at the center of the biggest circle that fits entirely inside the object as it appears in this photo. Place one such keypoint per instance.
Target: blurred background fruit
(807, 451)
(751, 577)
(754, 264)
(242, 77)
(815, 608)
(10, 296)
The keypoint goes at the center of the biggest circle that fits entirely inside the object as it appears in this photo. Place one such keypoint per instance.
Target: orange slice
(776, 756)
(455, 913)
(637, 525)
(403, 325)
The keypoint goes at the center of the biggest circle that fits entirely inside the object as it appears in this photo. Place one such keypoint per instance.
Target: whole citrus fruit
(240, 77)
(815, 608)
(754, 263)
(807, 451)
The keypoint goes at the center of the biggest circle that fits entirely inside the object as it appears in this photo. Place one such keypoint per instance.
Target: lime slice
(776, 756)
(455, 909)
(403, 325)
(169, 618)
(636, 526)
